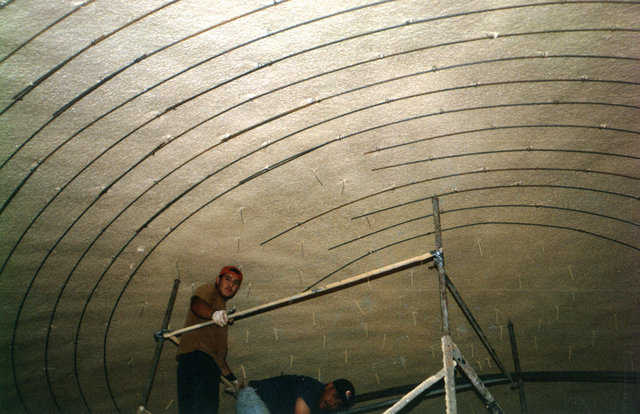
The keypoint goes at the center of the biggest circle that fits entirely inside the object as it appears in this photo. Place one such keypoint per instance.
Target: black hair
(342, 386)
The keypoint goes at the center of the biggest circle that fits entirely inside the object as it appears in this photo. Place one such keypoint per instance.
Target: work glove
(233, 385)
(220, 318)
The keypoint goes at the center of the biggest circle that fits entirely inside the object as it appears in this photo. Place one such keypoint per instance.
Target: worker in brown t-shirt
(202, 353)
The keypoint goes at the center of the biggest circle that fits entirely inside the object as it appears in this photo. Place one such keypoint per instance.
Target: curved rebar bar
(63, 187)
(534, 206)
(412, 183)
(504, 151)
(497, 128)
(493, 187)
(86, 92)
(24, 92)
(173, 107)
(49, 26)
(552, 226)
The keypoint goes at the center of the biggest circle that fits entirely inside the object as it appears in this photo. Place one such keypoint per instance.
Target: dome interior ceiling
(304, 142)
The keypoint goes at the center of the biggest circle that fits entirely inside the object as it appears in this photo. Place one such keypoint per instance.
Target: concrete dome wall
(304, 141)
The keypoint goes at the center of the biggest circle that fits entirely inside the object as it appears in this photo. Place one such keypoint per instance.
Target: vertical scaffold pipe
(439, 261)
(516, 364)
(160, 343)
(449, 375)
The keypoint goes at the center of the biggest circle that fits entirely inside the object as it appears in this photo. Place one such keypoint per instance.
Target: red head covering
(231, 269)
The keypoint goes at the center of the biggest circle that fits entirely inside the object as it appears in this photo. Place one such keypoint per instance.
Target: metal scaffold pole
(447, 343)
(159, 345)
(516, 363)
(451, 355)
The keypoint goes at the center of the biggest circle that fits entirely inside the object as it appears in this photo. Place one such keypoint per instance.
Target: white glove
(232, 384)
(235, 387)
(220, 318)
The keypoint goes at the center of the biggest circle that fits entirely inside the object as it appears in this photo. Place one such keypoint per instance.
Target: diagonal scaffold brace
(516, 363)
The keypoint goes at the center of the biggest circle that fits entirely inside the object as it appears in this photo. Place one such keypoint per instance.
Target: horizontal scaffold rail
(490, 380)
(314, 293)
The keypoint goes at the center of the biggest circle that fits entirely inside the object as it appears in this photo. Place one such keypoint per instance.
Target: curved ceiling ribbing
(301, 129)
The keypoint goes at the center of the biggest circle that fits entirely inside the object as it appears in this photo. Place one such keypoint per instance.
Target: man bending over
(295, 394)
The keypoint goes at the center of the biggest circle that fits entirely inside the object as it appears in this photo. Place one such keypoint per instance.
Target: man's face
(329, 400)
(228, 284)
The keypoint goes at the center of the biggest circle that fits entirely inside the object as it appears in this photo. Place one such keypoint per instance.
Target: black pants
(198, 384)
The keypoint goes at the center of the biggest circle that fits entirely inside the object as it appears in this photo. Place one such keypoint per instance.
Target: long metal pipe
(516, 365)
(304, 296)
(439, 260)
(446, 342)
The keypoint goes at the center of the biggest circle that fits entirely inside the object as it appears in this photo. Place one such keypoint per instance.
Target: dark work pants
(198, 384)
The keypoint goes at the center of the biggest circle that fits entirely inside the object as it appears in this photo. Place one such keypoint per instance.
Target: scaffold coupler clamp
(515, 384)
(231, 312)
(438, 257)
(159, 335)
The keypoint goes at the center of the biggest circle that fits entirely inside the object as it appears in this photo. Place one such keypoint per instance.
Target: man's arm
(301, 407)
(205, 311)
(225, 369)
(201, 308)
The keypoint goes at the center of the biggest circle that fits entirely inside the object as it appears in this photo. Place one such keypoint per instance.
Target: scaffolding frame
(452, 358)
